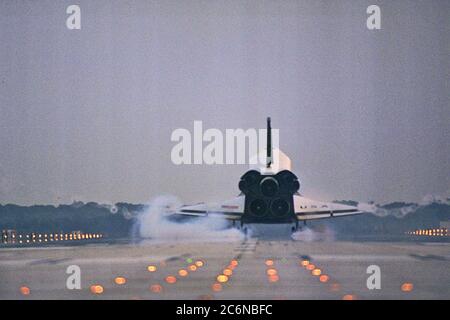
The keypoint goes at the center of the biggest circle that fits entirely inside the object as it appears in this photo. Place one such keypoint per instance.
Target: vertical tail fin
(269, 144)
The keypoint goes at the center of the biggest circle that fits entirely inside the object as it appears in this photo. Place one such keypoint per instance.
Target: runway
(245, 269)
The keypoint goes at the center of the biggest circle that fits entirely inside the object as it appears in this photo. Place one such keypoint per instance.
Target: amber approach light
(171, 279)
(151, 268)
(97, 289)
(120, 280)
(25, 290)
(222, 278)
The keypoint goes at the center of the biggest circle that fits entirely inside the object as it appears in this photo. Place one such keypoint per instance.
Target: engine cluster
(269, 198)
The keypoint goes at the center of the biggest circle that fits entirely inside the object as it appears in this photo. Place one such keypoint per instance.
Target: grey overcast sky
(87, 114)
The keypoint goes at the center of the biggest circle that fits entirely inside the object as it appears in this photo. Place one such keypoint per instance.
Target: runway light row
(11, 237)
(271, 271)
(172, 279)
(156, 288)
(225, 276)
(324, 278)
(439, 232)
(98, 289)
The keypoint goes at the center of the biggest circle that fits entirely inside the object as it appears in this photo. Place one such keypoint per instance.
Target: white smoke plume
(310, 235)
(154, 224)
(378, 211)
(402, 212)
(432, 198)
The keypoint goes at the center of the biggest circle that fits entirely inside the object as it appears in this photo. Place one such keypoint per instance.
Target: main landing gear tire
(296, 227)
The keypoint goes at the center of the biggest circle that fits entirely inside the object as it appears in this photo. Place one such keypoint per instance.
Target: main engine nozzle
(268, 197)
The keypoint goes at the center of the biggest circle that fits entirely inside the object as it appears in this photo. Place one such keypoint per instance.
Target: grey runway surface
(256, 269)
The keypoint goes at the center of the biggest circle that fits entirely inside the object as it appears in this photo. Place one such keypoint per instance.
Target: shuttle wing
(230, 210)
(305, 209)
(308, 209)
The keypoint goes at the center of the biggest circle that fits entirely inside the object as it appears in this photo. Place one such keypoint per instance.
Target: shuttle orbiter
(270, 195)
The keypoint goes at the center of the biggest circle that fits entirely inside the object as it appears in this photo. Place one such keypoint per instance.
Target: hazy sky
(87, 114)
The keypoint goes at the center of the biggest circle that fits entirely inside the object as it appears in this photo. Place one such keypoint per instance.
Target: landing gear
(243, 228)
(295, 228)
(234, 225)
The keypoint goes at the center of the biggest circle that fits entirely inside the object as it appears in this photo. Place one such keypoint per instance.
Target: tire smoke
(154, 223)
(310, 235)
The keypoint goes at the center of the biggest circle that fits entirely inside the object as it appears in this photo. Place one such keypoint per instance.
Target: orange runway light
(222, 278)
(273, 278)
(199, 263)
(324, 278)
(25, 291)
(192, 267)
(96, 289)
(234, 263)
(271, 272)
(310, 267)
(316, 272)
(171, 279)
(304, 263)
(216, 287)
(269, 262)
(151, 268)
(349, 297)
(227, 272)
(156, 288)
(120, 280)
(407, 287)
(183, 273)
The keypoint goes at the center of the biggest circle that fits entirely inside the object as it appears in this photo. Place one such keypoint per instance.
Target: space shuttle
(269, 194)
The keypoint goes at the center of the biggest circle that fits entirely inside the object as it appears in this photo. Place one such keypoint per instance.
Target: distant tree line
(119, 220)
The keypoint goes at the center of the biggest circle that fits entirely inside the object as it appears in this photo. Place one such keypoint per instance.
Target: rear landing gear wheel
(296, 227)
(246, 233)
